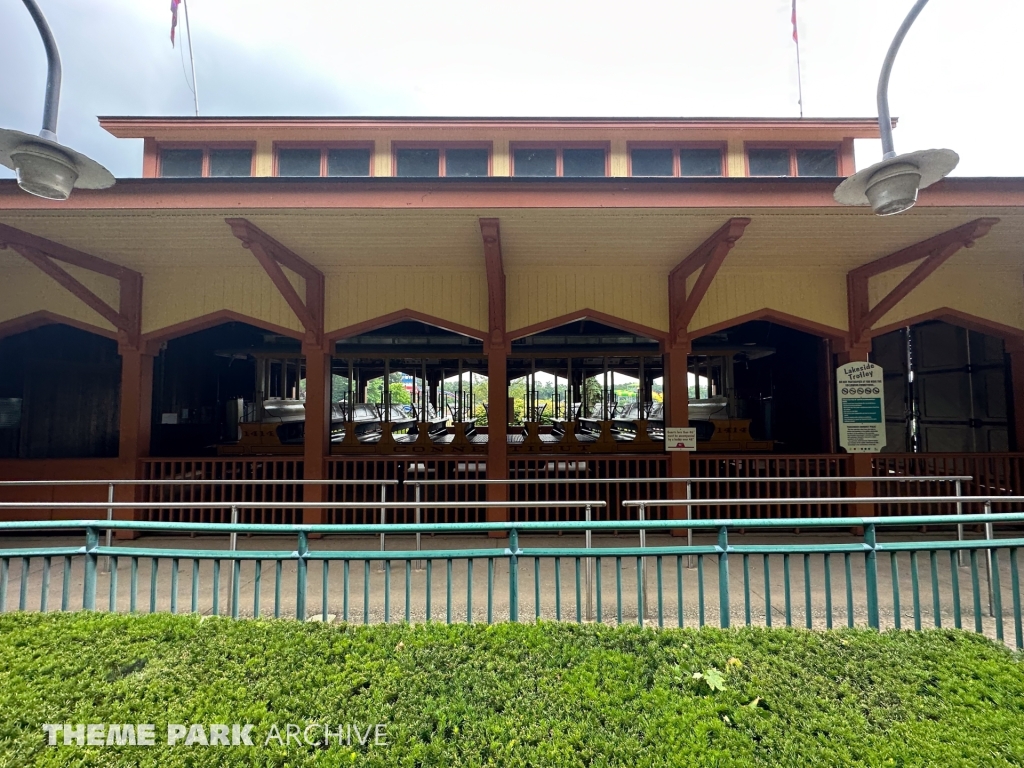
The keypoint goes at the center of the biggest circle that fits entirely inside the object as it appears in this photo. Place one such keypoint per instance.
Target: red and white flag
(796, 38)
(174, 17)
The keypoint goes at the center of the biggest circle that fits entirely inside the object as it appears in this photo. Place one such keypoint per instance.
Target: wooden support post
(136, 419)
(275, 257)
(497, 427)
(497, 370)
(826, 398)
(1015, 349)
(677, 414)
(316, 446)
(683, 303)
(860, 466)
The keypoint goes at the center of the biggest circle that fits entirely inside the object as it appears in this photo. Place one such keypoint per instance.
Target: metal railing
(92, 552)
(875, 588)
(234, 504)
(643, 505)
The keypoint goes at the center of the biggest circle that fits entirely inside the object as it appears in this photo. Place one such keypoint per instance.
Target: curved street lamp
(891, 186)
(44, 166)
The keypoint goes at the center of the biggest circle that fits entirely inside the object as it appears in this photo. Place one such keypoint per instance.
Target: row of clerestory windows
(528, 160)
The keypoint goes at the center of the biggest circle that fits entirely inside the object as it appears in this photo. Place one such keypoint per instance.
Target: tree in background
(399, 394)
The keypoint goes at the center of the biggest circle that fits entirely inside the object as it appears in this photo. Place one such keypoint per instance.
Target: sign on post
(861, 405)
(680, 438)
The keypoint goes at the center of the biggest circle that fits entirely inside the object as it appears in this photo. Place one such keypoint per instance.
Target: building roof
(176, 128)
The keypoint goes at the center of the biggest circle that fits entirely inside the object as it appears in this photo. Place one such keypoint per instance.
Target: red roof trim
(126, 127)
(496, 193)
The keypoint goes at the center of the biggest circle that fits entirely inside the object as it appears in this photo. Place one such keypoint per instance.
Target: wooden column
(497, 368)
(275, 257)
(1015, 349)
(677, 414)
(316, 446)
(136, 416)
(135, 426)
(497, 427)
(683, 303)
(826, 397)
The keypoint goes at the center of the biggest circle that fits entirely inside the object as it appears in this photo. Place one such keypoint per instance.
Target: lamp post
(891, 186)
(44, 166)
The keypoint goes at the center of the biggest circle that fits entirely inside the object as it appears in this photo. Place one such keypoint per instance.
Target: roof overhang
(254, 193)
(126, 127)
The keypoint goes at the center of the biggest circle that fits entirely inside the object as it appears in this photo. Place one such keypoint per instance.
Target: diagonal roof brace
(490, 231)
(272, 255)
(708, 257)
(44, 255)
(931, 253)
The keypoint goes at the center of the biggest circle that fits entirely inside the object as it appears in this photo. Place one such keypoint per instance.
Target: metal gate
(946, 390)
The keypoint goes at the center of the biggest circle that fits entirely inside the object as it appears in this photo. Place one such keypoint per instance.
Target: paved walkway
(550, 598)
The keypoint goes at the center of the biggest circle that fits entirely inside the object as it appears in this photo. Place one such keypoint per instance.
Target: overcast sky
(957, 81)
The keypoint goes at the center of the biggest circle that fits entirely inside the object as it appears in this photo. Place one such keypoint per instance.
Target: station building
(477, 298)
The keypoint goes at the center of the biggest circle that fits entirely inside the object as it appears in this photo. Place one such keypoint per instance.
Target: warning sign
(680, 438)
(861, 396)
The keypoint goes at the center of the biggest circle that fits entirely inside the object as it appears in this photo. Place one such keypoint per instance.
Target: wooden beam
(497, 368)
(272, 255)
(965, 234)
(931, 253)
(246, 231)
(708, 257)
(16, 237)
(76, 288)
(490, 231)
(44, 254)
(283, 284)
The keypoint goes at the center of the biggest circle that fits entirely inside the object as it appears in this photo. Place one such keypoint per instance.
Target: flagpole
(192, 60)
(796, 39)
(799, 83)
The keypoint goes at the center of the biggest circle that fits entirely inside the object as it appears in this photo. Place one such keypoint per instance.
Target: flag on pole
(799, 75)
(174, 17)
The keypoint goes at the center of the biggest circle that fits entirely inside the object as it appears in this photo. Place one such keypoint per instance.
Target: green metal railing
(852, 579)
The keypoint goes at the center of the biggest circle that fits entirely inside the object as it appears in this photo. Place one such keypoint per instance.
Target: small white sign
(861, 407)
(680, 438)
(168, 418)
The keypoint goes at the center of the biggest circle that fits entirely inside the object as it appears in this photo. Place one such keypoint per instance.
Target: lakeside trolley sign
(861, 406)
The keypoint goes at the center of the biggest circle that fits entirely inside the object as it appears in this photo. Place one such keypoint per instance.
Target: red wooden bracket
(491, 233)
(708, 257)
(931, 253)
(44, 255)
(273, 255)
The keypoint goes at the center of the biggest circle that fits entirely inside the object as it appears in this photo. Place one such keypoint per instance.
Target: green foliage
(399, 394)
(512, 694)
(712, 678)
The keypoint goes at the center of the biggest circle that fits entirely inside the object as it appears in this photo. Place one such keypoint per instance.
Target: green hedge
(512, 695)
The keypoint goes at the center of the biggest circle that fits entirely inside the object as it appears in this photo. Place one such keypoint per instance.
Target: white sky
(953, 85)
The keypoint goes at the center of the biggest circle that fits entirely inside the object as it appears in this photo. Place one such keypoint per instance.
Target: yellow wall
(992, 294)
(815, 295)
(263, 162)
(172, 296)
(534, 295)
(24, 290)
(539, 294)
(357, 295)
(736, 158)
